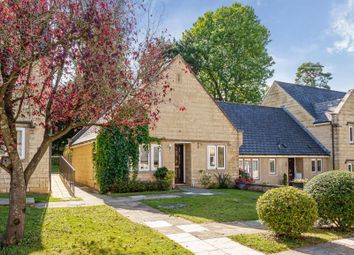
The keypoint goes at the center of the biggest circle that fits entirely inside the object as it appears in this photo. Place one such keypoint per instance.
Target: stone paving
(201, 239)
(58, 188)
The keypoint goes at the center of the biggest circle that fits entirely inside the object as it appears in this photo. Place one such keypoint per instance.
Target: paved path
(58, 188)
(201, 239)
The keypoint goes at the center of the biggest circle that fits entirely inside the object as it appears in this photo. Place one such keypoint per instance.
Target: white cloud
(343, 27)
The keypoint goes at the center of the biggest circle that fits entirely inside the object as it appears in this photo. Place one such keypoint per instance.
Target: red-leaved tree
(66, 64)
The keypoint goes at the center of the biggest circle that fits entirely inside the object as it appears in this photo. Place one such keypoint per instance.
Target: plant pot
(241, 185)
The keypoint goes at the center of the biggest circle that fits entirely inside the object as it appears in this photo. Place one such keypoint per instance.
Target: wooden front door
(179, 163)
(291, 172)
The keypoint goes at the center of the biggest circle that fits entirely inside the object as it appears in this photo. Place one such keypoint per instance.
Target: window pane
(240, 164)
(144, 158)
(19, 143)
(313, 165)
(350, 167)
(319, 165)
(247, 166)
(156, 157)
(255, 169)
(212, 156)
(272, 166)
(351, 135)
(221, 156)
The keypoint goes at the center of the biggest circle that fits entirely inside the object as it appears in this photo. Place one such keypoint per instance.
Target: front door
(179, 163)
(291, 172)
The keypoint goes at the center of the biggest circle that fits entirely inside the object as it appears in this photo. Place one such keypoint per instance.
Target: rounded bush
(287, 211)
(334, 194)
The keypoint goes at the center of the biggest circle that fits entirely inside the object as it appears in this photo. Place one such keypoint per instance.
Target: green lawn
(144, 193)
(233, 205)
(41, 198)
(86, 230)
(268, 243)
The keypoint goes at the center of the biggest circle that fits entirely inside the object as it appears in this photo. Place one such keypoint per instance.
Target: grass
(86, 230)
(144, 193)
(232, 205)
(268, 243)
(41, 198)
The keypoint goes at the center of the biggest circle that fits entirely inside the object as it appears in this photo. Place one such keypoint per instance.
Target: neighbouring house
(328, 115)
(29, 138)
(197, 139)
(274, 144)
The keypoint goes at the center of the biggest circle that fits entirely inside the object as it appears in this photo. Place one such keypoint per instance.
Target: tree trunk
(16, 218)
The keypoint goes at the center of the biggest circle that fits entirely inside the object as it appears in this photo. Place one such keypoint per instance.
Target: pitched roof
(316, 101)
(271, 131)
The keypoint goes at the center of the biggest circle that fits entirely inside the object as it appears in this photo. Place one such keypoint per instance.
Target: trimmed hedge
(287, 211)
(334, 194)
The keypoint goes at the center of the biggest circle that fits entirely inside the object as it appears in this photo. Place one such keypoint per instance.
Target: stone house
(195, 140)
(275, 144)
(328, 115)
(29, 138)
(214, 137)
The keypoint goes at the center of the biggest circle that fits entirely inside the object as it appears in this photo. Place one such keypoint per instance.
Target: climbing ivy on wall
(116, 152)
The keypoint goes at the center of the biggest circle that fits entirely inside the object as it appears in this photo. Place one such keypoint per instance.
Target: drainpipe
(333, 148)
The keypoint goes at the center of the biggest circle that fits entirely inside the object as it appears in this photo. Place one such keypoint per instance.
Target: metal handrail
(67, 173)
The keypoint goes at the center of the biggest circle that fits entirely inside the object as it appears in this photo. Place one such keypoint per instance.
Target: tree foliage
(227, 51)
(64, 64)
(312, 74)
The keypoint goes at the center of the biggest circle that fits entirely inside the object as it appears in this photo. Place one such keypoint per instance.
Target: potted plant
(243, 180)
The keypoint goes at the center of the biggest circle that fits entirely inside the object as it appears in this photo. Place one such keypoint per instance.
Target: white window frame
(351, 134)
(270, 168)
(319, 164)
(216, 148)
(350, 167)
(149, 160)
(314, 160)
(22, 153)
(208, 157)
(151, 147)
(217, 157)
(258, 169)
(249, 171)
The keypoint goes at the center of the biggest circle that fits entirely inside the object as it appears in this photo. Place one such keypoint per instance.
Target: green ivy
(116, 153)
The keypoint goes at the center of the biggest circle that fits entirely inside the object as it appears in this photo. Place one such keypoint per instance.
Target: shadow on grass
(33, 229)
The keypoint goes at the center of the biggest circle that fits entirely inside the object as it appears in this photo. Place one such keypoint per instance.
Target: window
(21, 142)
(216, 157)
(247, 166)
(155, 156)
(272, 168)
(144, 158)
(240, 164)
(255, 168)
(319, 165)
(150, 157)
(350, 167)
(313, 165)
(221, 157)
(351, 134)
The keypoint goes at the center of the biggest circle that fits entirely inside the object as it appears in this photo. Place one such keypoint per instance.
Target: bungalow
(200, 138)
(275, 144)
(327, 114)
(215, 137)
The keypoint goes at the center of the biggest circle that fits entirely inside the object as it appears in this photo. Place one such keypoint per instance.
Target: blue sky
(301, 30)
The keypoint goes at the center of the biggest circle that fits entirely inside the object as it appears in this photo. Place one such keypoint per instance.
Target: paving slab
(5, 201)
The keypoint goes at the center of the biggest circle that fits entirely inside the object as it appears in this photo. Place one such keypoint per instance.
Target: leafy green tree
(311, 74)
(227, 51)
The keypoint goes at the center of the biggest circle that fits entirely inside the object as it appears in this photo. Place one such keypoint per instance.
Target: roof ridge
(306, 86)
(244, 104)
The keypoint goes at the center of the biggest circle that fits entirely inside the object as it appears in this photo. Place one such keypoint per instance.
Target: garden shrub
(287, 211)
(116, 153)
(334, 194)
(161, 173)
(223, 180)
